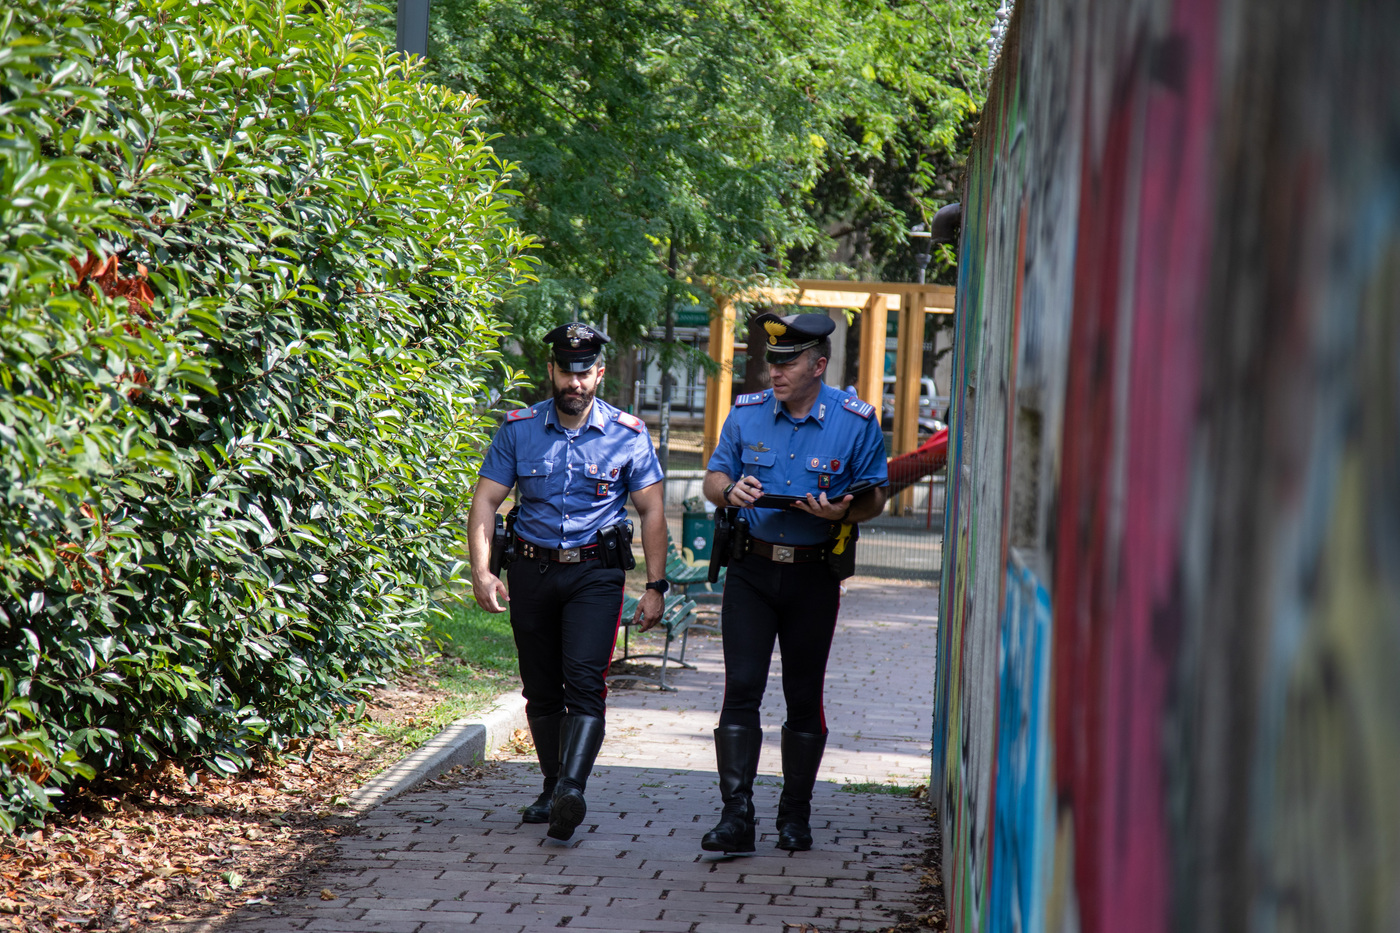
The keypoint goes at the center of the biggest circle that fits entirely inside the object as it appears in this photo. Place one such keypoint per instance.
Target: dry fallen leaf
(327, 894)
(521, 742)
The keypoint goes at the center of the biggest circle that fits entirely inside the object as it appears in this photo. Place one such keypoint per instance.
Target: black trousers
(794, 604)
(565, 623)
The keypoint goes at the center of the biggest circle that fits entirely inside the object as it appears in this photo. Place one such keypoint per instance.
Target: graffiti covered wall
(1169, 668)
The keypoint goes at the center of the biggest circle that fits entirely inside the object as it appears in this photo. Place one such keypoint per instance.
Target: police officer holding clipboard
(802, 439)
(575, 459)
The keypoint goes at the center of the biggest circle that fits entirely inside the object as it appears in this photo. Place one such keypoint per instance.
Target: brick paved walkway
(459, 859)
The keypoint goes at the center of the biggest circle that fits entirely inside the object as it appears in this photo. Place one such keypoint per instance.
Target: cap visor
(576, 366)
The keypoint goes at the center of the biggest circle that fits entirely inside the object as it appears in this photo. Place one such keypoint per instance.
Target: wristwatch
(661, 586)
(727, 490)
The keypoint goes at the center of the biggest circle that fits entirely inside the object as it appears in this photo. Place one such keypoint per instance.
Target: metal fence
(906, 542)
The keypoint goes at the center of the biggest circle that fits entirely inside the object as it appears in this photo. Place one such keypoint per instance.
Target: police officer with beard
(806, 439)
(575, 459)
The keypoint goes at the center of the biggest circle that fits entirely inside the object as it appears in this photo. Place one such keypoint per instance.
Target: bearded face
(574, 392)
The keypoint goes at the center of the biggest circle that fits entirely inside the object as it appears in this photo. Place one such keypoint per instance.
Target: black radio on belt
(503, 541)
(615, 545)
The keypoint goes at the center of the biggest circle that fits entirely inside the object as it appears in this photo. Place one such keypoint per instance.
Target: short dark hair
(822, 349)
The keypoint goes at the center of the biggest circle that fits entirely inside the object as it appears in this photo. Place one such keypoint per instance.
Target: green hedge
(248, 267)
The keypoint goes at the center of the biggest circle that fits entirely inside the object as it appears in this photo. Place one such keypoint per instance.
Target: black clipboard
(767, 501)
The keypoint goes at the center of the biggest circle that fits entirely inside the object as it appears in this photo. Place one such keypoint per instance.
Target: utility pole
(412, 35)
(663, 452)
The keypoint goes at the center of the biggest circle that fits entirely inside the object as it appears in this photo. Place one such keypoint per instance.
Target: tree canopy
(667, 147)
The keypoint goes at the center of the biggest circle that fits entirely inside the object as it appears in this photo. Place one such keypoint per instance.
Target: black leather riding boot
(580, 740)
(736, 758)
(802, 756)
(545, 731)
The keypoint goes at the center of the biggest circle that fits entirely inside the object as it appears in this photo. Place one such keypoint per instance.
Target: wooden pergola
(875, 301)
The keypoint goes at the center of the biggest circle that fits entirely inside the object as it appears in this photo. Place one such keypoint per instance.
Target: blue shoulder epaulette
(630, 421)
(853, 404)
(753, 398)
(520, 414)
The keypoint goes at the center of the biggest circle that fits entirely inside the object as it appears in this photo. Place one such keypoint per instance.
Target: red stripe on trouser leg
(607, 667)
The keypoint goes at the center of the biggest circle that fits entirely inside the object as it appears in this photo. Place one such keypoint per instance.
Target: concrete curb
(465, 742)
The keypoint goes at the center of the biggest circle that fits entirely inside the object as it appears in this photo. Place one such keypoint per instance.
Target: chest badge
(602, 489)
(816, 464)
(824, 481)
(593, 469)
(759, 448)
(835, 465)
(612, 474)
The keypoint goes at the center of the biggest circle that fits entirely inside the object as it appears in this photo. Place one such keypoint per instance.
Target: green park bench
(675, 622)
(692, 580)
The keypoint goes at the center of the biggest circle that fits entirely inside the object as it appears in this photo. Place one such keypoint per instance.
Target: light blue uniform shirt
(836, 446)
(572, 483)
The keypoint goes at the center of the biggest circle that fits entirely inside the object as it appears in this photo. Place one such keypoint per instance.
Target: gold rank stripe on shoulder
(629, 421)
(520, 414)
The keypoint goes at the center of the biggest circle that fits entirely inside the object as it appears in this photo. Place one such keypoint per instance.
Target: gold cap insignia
(775, 330)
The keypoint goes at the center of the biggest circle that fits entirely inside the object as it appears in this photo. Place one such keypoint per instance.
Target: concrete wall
(1168, 691)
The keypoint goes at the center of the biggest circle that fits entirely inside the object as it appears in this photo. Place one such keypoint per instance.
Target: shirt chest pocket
(754, 460)
(534, 477)
(824, 470)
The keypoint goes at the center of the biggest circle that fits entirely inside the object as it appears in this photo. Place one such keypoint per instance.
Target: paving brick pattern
(459, 859)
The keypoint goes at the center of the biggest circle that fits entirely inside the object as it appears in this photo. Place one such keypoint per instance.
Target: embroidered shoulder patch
(629, 421)
(753, 398)
(853, 404)
(520, 414)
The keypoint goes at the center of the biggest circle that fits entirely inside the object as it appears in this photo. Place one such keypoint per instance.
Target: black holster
(841, 550)
(503, 541)
(615, 545)
(731, 540)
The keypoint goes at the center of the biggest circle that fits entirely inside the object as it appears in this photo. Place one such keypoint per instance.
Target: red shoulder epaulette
(520, 414)
(629, 421)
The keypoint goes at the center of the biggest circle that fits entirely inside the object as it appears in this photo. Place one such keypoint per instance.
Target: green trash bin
(697, 534)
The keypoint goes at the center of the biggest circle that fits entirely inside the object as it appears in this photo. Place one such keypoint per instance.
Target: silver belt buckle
(782, 555)
(568, 556)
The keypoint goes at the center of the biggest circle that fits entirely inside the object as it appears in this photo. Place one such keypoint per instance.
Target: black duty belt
(788, 554)
(568, 555)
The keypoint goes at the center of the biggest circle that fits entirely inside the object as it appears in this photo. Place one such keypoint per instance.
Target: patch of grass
(482, 639)
(478, 663)
(890, 788)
